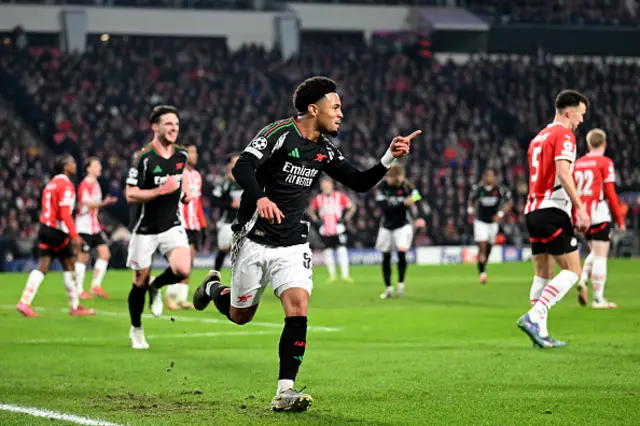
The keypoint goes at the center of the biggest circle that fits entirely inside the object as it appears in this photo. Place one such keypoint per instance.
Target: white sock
(330, 261)
(31, 288)
(599, 277)
(70, 286)
(552, 294)
(283, 385)
(81, 269)
(99, 270)
(183, 292)
(172, 292)
(343, 260)
(537, 287)
(586, 269)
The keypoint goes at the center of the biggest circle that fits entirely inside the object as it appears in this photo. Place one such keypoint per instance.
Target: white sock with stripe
(586, 268)
(31, 288)
(99, 271)
(599, 277)
(537, 288)
(70, 286)
(552, 294)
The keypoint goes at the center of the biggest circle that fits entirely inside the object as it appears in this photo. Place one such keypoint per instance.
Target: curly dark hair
(60, 162)
(312, 90)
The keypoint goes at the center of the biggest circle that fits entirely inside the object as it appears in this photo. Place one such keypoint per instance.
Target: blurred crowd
(473, 115)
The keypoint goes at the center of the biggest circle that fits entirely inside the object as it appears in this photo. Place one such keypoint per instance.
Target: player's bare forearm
(135, 195)
(507, 207)
(350, 212)
(357, 180)
(563, 172)
(244, 173)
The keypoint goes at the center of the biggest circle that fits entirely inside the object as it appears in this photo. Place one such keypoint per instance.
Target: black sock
(481, 266)
(166, 278)
(402, 266)
(136, 305)
(220, 260)
(293, 342)
(386, 268)
(222, 301)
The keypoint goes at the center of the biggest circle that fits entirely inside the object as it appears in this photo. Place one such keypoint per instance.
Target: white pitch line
(151, 337)
(37, 412)
(188, 319)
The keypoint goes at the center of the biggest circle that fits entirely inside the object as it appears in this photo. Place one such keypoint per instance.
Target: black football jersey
(225, 194)
(287, 165)
(487, 200)
(149, 170)
(391, 200)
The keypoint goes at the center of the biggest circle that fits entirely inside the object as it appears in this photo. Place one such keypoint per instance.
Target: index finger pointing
(413, 135)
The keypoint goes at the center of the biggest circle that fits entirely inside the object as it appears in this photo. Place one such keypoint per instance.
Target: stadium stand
(96, 103)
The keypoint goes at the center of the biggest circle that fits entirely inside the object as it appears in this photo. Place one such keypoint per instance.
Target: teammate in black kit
(488, 202)
(227, 196)
(277, 171)
(401, 211)
(153, 188)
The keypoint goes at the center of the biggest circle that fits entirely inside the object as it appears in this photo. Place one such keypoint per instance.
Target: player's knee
(241, 317)
(141, 278)
(481, 257)
(182, 269)
(402, 249)
(105, 254)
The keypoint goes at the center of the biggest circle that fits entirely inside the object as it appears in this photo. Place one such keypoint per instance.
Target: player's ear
(313, 110)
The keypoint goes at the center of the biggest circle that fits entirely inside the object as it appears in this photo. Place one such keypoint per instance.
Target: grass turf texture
(448, 353)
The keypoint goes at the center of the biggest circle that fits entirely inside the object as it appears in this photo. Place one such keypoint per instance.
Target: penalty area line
(55, 415)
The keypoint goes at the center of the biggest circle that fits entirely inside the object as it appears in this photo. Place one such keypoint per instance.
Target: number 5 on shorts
(307, 261)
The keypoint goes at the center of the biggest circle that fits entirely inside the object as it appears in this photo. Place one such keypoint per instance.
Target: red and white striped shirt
(58, 200)
(330, 209)
(554, 142)
(87, 218)
(192, 213)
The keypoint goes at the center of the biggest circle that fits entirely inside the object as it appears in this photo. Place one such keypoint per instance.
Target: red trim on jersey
(547, 239)
(612, 199)
(301, 132)
(200, 212)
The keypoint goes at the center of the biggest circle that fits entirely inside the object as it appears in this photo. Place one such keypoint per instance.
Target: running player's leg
(248, 281)
(481, 237)
(68, 261)
(100, 269)
(32, 285)
(384, 244)
(81, 267)
(141, 251)
(600, 250)
(402, 237)
(174, 244)
(543, 273)
(290, 273)
(562, 245)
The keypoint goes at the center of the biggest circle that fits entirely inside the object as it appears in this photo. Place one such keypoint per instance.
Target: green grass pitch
(449, 353)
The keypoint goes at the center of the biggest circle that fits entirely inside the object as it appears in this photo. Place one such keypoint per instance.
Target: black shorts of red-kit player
(550, 231)
(92, 241)
(54, 243)
(599, 232)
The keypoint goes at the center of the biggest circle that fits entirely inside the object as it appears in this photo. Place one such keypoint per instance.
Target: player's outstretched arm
(364, 180)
